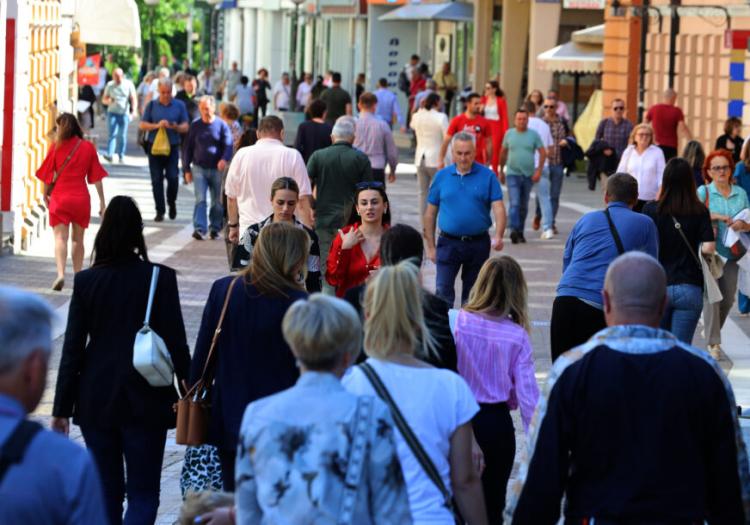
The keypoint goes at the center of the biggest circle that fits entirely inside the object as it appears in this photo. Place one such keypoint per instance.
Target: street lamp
(295, 79)
(152, 4)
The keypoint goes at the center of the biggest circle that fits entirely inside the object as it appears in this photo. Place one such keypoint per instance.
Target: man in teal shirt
(517, 167)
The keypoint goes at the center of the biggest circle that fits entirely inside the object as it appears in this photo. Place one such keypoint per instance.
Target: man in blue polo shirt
(170, 114)
(597, 239)
(464, 193)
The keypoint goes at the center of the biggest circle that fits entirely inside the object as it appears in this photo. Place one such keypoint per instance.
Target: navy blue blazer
(252, 358)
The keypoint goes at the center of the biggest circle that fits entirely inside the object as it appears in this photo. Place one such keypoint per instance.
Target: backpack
(403, 82)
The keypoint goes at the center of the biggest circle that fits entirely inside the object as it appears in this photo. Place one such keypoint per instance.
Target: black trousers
(227, 458)
(493, 430)
(573, 323)
(378, 175)
(669, 152)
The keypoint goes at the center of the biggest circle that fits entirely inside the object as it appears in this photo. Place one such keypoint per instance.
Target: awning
(572, 57)
(110, 22)
(591, 35)
(448, 11)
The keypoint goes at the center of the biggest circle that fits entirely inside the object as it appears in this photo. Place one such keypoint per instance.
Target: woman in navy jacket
(120, 414)
(252, 360)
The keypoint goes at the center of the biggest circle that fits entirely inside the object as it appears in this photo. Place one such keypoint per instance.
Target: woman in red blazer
(355, 251)
(496, 111)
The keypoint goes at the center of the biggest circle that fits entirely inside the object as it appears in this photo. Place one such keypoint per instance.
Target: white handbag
(150, 355)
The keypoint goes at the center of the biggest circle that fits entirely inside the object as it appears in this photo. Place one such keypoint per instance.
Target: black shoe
(213, 235)
(198, 236)
(172, 211)
(514, 237)
(521, 237)
(159, 217)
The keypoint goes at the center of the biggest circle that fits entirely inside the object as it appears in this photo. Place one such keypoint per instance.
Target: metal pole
(151, 40)
(642, 62)
(189, 31)
(295, 80)
(576, 87)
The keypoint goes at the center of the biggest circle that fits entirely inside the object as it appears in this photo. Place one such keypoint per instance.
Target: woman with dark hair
(121, 416)
(495, 110)
(694, 154)
(684, 227)
(315, 133)
(71, 162)
(731, 140)
(355, 251)
(253, 361)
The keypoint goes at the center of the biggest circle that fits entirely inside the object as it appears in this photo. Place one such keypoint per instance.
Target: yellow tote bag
(161, 144)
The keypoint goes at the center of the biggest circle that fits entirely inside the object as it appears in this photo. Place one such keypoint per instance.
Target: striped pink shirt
(495, 359)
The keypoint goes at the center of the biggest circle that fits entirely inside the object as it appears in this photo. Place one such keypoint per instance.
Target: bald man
(122, 103)
(668, 121)
(636, 427)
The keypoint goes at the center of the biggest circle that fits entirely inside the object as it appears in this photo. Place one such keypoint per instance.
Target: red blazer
(502, 111)
(348, 268)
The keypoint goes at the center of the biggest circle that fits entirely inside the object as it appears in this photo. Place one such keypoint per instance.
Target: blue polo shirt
(174, 112)
(591, 248)
(464, 201)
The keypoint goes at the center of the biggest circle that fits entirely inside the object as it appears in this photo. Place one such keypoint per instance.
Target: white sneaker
(547, 234)
(715, 351)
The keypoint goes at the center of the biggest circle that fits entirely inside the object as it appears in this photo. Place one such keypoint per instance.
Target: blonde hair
(639, 127)
(501, 289)
(198, 503)
(279, 257)
(320, 330)
(393, 312)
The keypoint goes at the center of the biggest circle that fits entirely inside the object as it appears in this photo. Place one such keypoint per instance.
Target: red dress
(348, 268)
(70, 200)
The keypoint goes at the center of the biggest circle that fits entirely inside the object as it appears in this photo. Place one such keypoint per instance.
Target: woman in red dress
(355, 251)
(67, 199)
(496, 111)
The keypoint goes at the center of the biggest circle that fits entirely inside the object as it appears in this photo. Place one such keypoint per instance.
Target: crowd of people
(377, 401)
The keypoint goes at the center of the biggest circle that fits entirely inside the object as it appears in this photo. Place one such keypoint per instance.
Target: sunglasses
(370, 185)
(619, 108)
(548, 107)
(719, 169)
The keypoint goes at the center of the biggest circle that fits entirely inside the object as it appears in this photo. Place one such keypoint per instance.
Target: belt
(464, 238)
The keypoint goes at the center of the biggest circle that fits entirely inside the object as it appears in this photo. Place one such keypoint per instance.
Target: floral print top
(293, 453)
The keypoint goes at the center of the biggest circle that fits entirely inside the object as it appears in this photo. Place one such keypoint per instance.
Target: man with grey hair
(171, 115)
(122, 104)
(44, 477)
(464, 193)
(636, 426)
(668, 122)
(206, 153)
(334, 173)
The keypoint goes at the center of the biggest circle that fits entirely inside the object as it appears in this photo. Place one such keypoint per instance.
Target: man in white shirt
(429, 125)
(304, 92)
(543, 188)
(153, 91)
(282, 93)
(252, 172)
(232, 79)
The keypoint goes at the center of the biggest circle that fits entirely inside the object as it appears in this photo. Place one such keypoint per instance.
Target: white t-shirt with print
(435, 402)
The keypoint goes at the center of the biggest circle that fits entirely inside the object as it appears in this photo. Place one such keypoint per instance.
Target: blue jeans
(162, 167)
(743, 303)
(207, 179)
(684, 306)
(143, 450)
(556, 177)
(454, 255)
(543, 203)
(519, 190)
(118, 133)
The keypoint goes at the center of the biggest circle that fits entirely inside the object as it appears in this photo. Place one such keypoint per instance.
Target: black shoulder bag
(412, 441)
(615, 235)
(15, 446)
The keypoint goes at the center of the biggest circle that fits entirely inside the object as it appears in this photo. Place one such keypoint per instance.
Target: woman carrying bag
(120, 414)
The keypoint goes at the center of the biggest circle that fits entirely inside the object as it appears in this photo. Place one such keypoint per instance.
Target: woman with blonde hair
(252, 359)
(645, 162)
(495, 358)
(436, 405)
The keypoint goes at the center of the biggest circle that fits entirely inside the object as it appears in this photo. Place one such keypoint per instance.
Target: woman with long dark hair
(495, 110)
(71, 162)
(355, 251)
(685, 231)
(122, 417)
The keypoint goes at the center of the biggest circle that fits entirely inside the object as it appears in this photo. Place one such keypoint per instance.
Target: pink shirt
(252, 172)
(495, 359)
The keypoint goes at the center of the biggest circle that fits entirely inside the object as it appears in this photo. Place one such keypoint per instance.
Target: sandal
(58, 284)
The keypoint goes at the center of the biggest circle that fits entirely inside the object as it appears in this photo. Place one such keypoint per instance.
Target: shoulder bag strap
(151, 293)
(615, 235)
(56, 173)
(15, 446)
(408, 434)
(362, 423)
(678, 227)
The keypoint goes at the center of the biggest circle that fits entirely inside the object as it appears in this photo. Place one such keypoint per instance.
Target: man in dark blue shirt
(169, 114)
(207, 152)
(464, 193)
(596, 240)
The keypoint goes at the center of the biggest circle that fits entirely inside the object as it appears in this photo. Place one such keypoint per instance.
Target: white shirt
(429, 127)
(435, 402)
(542, 129)
(304, 90)
(647, 169)
(252, 172)
(281, 95)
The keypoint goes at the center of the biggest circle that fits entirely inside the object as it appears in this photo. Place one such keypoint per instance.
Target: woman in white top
(644, 161)
(437, 404)
(429, 125)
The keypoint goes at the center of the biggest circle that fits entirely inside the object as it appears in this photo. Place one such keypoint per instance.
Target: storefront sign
(584, 4)
(88, 70)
